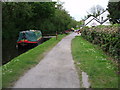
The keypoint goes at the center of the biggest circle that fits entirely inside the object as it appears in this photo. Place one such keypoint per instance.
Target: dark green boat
(29, 37)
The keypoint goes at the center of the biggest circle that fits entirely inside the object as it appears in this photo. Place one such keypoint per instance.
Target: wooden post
(56, 35)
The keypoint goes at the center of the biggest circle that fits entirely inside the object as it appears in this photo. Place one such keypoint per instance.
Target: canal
(9, 50)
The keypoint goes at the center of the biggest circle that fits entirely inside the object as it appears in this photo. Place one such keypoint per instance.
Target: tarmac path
(55, 70)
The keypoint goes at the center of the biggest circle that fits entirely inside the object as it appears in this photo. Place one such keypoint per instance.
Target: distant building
(102, 19)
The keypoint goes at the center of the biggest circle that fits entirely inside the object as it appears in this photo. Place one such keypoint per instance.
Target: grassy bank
(19, 65)
(101, 70)
(107, 37)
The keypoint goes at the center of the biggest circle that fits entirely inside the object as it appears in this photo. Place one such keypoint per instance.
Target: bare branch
(95, 10)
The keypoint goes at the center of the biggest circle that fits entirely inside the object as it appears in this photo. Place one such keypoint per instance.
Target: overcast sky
(78, 8)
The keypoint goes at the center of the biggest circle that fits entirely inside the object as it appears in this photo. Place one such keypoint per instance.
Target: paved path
(56, 70)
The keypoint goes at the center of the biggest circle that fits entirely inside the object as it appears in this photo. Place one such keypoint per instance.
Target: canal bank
(9, 50)
(56, 69)
(19, 65)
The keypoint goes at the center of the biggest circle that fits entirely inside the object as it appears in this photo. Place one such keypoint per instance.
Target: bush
(107, 37)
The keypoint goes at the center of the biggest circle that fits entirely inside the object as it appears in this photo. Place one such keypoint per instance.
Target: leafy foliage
(44, 16)
(114, 10)
(14, 18)
(107, 37)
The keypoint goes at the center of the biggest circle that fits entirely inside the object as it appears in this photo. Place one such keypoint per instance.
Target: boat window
(23, 36)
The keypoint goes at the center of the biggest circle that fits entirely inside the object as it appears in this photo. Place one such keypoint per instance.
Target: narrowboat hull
(29, 38)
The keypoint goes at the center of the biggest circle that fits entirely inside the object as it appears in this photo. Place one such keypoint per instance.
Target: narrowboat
(29, 37)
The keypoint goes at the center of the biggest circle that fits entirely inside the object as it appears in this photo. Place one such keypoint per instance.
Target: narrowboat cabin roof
(29, 36)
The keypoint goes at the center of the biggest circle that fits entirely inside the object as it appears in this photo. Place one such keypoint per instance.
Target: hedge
(107, 37)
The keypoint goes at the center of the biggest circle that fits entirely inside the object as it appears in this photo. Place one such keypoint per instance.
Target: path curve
(55, 70)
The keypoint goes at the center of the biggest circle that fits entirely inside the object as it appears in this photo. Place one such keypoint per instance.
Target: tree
(24, 16)
(95, 11)
(114, 10)
(42, 16)
(15, 17)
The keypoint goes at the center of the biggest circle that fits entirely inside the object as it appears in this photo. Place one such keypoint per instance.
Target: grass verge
(19, 65)
(102, 71)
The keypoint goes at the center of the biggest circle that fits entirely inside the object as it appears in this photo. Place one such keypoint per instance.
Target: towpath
(55, 70)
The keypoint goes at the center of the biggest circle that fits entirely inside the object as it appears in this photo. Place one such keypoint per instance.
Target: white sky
(78, 8)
